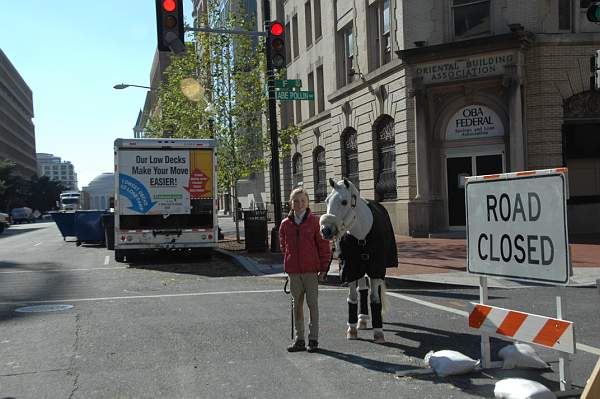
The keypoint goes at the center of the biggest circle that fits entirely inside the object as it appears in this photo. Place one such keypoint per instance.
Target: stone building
(412, 96)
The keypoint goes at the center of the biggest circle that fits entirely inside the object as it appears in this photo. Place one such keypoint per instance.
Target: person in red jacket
(306, 259)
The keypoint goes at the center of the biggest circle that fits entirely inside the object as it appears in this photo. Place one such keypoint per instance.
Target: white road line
(579, 346)
(189, 294)
(62, 270)
(39, 243)
(106, 259)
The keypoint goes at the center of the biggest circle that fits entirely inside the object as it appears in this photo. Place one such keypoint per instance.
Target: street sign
(288, 83)
(294, 95)
(517, 225)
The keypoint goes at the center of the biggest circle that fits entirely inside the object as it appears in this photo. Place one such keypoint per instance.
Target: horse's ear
(346, 183)
(331, 182)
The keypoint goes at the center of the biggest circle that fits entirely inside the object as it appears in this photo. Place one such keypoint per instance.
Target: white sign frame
(553, 226)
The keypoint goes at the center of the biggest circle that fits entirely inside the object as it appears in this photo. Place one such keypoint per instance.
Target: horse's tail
(384, 299)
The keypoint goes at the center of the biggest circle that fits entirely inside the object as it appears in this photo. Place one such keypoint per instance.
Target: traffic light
(276, 44)
(595, 70)
(169, 25)
(593, 12)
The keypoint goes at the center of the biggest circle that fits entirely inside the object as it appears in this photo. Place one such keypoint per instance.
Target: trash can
(88, 226)
(65, 221)
(108, 221)
(255, 230)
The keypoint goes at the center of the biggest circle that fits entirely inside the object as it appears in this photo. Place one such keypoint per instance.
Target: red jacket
(305, 251)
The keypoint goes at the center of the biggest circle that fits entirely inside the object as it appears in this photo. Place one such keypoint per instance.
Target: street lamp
(124, 86)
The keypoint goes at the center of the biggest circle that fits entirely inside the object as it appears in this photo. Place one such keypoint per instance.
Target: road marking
(188, 294)
(579, 346)
(62, 270)
(39, 243)
(106, 259)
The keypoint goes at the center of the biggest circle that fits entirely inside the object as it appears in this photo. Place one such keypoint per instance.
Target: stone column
(420, 208)
(512, 80)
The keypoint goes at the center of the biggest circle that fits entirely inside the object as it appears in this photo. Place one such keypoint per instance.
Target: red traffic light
(169, 5)
(277, 29)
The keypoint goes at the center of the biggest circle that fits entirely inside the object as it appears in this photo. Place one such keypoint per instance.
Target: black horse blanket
(372, 255)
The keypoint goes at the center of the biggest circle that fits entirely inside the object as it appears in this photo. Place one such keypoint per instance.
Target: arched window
(350, 156)
(385, 159)
(297, 179)
(320, 174)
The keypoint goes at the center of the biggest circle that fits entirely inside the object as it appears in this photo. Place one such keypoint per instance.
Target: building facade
(17, 132)
(419, 94)
(57, 170)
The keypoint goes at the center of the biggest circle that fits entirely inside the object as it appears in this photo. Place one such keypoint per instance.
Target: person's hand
(322, 276)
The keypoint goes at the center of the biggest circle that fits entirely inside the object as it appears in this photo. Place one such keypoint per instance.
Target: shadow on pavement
(449, 295)
(49, 284)
(375, 365)
(11, 231)
(204, 265)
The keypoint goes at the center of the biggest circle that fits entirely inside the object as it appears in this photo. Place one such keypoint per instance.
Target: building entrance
(457, 168)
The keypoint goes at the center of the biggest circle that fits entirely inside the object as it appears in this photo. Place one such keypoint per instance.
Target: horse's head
(341, 209)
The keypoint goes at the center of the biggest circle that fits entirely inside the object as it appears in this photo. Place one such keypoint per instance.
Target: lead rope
(285, 290)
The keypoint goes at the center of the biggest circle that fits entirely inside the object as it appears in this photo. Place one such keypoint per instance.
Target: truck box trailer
(166, 196)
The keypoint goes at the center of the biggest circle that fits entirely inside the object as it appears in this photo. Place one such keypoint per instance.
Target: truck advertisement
(155, 182)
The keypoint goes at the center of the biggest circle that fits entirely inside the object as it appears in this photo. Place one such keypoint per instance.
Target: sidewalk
(427, 260)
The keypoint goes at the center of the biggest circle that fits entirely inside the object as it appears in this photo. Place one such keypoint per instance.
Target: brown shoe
(297, 346)
(313, 345)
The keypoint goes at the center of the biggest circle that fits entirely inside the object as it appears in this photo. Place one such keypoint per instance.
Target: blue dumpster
(89, 227)
(65, 221)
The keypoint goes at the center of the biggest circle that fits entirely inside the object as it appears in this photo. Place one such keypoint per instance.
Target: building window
(297, 179)
(385, 160)
(346, 56)
(380, 50)
(582, 157)
(350, 156)
(295, 38)
(320, 90)
(311, 87)
(308, 23)
(288, 49)
(471, 18)
(320, 174)
(564, 15)
(318, 29)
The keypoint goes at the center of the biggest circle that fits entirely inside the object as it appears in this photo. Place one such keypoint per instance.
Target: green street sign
(294, 95)
(288, 83)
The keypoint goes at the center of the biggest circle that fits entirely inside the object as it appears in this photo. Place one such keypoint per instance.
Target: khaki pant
(301, 284)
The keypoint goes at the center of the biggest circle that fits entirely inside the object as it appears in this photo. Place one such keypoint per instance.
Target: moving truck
(166, 196)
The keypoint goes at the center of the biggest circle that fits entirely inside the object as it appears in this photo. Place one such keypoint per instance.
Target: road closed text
(516, 208)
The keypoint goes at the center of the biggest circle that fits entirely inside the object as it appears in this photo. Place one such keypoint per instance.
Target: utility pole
(275, 179)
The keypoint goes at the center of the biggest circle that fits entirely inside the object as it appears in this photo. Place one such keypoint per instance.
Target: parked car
(4, 221)
(20, 215)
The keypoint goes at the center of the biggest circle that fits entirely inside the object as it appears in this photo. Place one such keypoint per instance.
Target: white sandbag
(447, 362)
(520, 388)
(520, 355)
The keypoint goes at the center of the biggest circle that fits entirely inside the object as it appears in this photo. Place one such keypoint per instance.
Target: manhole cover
(43, 308)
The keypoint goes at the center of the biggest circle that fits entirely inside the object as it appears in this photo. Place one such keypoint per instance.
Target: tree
(44, 193)
(14, 189)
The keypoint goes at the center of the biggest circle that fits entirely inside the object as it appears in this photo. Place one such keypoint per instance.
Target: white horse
(364, 242)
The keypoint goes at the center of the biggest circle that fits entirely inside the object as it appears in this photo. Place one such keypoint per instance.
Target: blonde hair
(297, 191)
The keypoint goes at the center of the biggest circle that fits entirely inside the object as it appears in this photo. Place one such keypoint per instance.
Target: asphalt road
(182, 328)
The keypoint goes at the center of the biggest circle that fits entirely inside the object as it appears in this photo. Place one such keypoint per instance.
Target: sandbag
(520, 388)
(448, 362)
(520, 355)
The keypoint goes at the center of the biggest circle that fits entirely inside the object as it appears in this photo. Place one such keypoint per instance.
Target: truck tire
(119, 256)
(1, 228)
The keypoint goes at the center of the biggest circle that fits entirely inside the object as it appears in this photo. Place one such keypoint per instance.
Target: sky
(71, 53)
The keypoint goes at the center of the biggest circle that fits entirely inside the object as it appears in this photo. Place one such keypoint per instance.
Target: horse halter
(349, 219)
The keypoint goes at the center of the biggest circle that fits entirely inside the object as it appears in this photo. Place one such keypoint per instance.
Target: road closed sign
(517, 225)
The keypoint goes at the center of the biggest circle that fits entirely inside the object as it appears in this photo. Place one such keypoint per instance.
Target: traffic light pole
(275, 179)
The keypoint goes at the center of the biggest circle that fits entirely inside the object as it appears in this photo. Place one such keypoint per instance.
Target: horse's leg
(352, 332)
(363, 316)
(377, 321)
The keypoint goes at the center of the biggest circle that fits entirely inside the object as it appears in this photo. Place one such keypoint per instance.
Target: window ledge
(369, 79)
(315, 119)
(309, 46)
